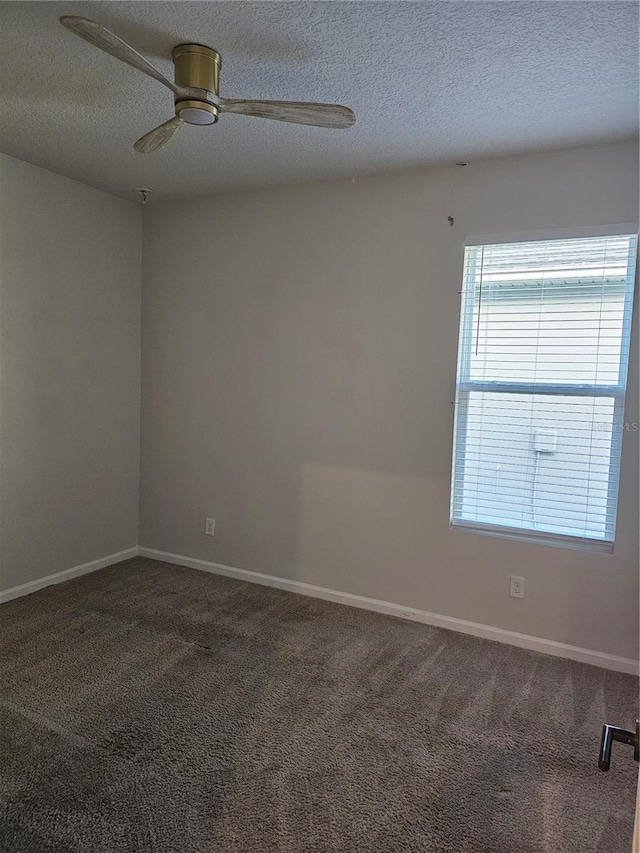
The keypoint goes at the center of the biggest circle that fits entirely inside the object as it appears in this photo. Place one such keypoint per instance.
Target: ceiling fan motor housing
(197, 67)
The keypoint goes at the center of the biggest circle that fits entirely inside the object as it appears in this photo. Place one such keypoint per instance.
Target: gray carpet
(153, 708)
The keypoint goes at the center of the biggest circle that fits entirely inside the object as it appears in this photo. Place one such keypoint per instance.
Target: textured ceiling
(429, 82)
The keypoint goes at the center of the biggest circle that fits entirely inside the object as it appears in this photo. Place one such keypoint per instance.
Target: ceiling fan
(197, 88)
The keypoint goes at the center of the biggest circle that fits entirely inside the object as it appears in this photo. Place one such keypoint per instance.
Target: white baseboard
(487, 632)
(67, 574)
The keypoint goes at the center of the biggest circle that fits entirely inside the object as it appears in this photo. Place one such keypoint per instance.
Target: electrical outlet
(517, 587)
(545, 440)
(210, 526)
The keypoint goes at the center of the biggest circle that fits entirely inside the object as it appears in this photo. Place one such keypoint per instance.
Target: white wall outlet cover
(210, 526)
(517, 587)
(545, 440)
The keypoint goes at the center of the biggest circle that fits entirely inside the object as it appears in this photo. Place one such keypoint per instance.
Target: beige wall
(299, 352)
(299, 357)
(69, 370)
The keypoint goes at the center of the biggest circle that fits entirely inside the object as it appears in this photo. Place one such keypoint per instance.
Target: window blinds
(542, 367)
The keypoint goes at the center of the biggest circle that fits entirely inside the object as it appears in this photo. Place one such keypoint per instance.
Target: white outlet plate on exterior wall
(210, 526)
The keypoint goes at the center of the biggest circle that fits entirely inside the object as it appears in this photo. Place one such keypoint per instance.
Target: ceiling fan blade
(318, 115)
(158, 137)
(110, 43)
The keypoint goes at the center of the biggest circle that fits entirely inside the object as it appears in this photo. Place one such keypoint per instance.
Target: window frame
(465, 386)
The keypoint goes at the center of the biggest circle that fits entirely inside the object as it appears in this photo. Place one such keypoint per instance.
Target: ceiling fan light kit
(196, 88)
(197, 67)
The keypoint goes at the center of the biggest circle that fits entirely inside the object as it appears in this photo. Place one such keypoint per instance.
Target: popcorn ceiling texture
(430, 82)
(156, 709)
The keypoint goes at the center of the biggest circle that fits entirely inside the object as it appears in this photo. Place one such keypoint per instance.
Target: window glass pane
(525, 340)
(548, 312)
(562, 487)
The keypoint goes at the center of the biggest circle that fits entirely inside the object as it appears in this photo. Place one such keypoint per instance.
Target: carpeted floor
(153, 708)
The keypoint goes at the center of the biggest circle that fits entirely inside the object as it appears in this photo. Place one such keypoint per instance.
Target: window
(542, 370)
